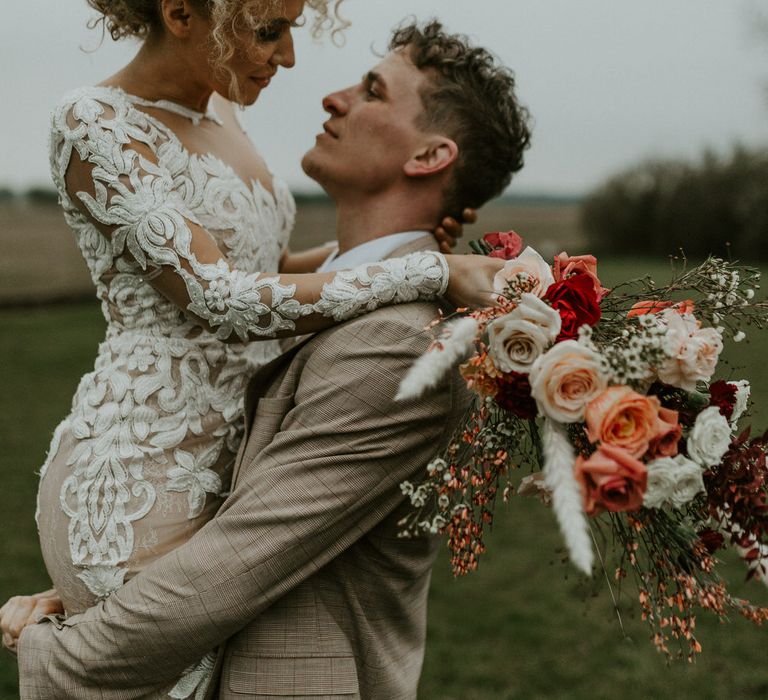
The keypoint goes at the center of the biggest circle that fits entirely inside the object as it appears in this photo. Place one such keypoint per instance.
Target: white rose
(521, 336)
(672, 481)
(688, 481)
(530, 265)
(743, 390)
(565, 379)
(661, 482)
(710, 438)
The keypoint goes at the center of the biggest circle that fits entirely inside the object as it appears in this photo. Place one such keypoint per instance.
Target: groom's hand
(23, 610)
(449, 231)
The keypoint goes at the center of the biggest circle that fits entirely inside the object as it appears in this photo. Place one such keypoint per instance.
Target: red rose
(723, 395)
(514, 395)
(506, 245)
(576, 301)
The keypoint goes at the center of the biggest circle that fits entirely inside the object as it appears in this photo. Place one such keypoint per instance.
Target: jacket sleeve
(330, 474)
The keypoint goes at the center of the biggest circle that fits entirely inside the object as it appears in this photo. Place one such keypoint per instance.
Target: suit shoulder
(401, 329)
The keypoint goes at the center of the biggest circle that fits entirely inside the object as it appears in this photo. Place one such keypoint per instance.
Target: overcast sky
(608, 81)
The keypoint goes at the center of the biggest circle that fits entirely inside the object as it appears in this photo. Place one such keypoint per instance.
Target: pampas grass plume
(457, 341)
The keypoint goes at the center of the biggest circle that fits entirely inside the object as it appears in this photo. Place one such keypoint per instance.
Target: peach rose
(528, 268)
(623, 418)
(654, 307)
(565, 379)
(668, 434)
(693, 351)
(611, 479)
(568, 265)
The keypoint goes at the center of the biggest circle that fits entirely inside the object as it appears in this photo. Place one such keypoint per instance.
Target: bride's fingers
(18, 615)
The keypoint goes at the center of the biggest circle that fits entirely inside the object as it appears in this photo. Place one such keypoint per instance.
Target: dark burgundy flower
(576, 301)
(504, 244)
(711, 539)
(723, 395)
(514, 395)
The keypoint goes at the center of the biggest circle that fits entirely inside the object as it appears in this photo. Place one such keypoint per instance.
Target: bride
(182, 227)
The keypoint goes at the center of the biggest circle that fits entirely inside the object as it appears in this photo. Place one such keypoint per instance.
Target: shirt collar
(370, 251)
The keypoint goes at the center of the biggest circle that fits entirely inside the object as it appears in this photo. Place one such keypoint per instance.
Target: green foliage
(660, 207)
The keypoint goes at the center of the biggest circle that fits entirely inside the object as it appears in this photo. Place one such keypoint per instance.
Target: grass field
(524, 626)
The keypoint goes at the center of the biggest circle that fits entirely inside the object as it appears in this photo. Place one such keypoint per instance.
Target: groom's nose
(337, 103)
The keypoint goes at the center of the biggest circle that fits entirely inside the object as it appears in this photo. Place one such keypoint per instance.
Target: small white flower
(443, 502)
(710, 438)
(739, 337)
(750, 294)
(435, 466)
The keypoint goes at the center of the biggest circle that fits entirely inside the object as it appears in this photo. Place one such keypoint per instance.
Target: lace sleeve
(110, 168)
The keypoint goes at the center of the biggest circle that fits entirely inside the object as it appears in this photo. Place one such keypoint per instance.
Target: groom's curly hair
(471, 98)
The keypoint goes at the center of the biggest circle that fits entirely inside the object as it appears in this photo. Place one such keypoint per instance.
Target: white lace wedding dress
(174, 242)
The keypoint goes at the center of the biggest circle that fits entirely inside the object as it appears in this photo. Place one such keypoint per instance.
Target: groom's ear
(432, 158)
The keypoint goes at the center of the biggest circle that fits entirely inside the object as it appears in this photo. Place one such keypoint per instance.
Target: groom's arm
(328, 477)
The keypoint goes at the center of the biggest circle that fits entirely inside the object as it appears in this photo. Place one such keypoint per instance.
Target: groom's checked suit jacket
(301, 575)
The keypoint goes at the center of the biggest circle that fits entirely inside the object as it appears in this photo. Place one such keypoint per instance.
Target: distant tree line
(660, 207)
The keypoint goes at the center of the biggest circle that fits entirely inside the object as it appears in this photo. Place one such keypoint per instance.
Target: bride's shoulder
(90, 103)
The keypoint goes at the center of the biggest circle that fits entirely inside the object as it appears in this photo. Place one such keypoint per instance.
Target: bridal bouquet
(608, 399)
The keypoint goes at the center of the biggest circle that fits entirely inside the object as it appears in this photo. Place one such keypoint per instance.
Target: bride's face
(257, 53)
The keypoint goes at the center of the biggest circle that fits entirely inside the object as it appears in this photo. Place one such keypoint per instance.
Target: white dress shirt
(370, 251)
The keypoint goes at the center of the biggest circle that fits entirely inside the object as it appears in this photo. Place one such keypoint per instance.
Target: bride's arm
(113, 175)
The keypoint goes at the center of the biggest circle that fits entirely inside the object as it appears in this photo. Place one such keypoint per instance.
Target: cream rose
(565, 379)
(693, 351)
(672, 481)
(530, 267)
(710, 437)
(521, 336)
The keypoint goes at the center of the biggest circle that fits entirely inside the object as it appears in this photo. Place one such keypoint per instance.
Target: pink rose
(623, 418)
(566, 266)
(611, 479)
(668, 434)
(506, 245)
(643, 308)
(693, 351)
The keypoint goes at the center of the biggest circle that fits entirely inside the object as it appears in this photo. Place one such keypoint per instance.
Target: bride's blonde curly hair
(139, 18)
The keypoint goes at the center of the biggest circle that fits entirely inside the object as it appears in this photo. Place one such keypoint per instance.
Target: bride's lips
(262, 82)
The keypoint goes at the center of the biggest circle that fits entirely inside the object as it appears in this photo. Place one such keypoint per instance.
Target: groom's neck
(364, 219)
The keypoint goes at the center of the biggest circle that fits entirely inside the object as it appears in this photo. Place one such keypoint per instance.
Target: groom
(301, 578)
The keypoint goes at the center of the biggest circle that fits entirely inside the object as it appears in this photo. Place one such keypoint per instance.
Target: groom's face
(371, 133)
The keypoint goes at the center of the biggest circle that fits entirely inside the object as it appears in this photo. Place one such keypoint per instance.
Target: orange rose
(611, 479)
(568, 265)
(668, 434)
(656, 306)
(622, 417)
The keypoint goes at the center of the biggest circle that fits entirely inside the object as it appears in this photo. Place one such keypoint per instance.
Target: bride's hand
(470, 282)
(23, 610)
(450, 230)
